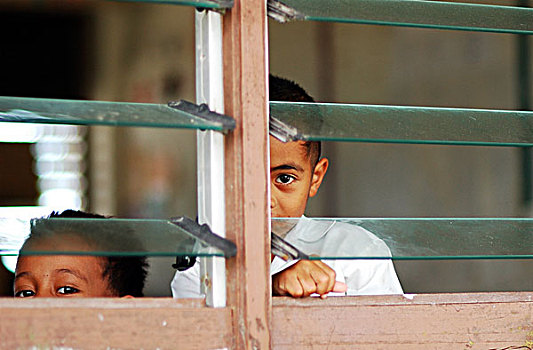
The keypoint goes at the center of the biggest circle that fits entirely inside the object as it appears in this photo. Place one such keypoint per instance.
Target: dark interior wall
(44, 54)
(17, 180)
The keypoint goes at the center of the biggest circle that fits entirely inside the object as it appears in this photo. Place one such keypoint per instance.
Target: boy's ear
(318, 175)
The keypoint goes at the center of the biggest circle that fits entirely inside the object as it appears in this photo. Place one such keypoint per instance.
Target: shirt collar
(310, 230)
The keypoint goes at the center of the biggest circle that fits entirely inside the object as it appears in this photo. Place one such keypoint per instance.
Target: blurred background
(121, 51)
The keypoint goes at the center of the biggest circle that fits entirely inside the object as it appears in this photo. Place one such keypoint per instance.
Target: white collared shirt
(325, 238)
(329, 238)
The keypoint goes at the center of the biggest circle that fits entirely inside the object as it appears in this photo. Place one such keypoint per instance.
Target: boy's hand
(305, 278)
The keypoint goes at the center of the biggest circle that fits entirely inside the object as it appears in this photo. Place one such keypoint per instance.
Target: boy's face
(60, 275)
(293, 177)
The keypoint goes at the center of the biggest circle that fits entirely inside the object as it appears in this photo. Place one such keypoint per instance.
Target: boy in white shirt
(296, 173)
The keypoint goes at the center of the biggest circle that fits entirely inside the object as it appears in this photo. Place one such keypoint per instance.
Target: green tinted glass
(50, 111)
(110, 237)
(399, 124)
(409, 239)
(416, 13)
(217, 4)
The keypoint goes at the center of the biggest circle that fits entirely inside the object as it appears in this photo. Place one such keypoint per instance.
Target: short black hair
(285, 90)
(126, 275)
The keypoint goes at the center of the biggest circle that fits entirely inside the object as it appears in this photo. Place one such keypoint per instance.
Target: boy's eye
(285, 179)
(67, 290)
(24, 294)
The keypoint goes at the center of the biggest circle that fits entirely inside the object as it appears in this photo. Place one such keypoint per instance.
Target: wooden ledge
(431, 321)
(114, 323)
(408, 299)
(426, 321)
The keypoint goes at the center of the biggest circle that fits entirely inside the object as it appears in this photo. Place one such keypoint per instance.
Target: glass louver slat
(79, 112)
(416, 13)
(411, 238)
(110, 237)
(404, 124)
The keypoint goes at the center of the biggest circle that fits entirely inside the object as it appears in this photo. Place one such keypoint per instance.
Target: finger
(308, 285)
(294, 288)
(314, 276)
(285, 284)
(327, 278)
(278, 288)
(322, 281)
(340, 287)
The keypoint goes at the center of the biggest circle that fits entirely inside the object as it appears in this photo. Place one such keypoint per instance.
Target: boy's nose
(44, 294)
(44, 291)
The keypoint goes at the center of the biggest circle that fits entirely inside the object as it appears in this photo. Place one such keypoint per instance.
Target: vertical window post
(247, 171)
(210, 149)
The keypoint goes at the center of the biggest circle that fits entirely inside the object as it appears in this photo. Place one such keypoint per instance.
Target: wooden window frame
(252, 319)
